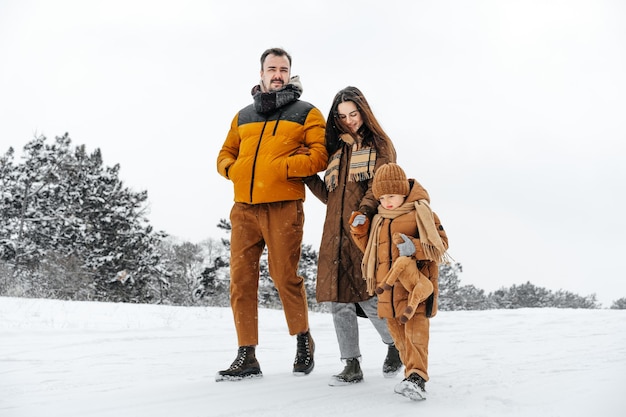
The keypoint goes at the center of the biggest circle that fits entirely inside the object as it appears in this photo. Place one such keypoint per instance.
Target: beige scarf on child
(431, 242)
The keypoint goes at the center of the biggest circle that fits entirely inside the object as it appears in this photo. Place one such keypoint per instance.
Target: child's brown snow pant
(279, 226)
(411, 340)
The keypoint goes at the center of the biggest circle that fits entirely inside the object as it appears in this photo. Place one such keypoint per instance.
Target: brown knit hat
(390, 179)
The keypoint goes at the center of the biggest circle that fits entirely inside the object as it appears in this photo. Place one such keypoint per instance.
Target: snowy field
(100, 359)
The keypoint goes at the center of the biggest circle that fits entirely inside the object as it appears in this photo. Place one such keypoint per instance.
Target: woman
(357, 146)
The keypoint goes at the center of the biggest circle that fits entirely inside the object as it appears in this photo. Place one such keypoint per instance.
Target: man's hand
(302, 150)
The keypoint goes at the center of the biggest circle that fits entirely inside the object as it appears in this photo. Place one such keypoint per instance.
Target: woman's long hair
(371, 131)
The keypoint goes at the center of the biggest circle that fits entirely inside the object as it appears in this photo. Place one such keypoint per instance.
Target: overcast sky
(510, 112)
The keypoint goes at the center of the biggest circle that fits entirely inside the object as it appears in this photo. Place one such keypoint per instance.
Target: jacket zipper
(256, 153)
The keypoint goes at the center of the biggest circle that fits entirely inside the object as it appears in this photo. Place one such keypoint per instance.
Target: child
(401, 254)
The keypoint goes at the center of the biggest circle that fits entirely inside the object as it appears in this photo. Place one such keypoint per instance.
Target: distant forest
(71, 230)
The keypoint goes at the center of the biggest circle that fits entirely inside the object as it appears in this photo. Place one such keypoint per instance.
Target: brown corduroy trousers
(279, 226)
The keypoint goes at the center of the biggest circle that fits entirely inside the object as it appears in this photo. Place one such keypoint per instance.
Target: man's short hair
(274, 51)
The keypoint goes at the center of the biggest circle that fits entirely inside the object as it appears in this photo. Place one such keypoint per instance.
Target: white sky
(511, 113)
(77, 359)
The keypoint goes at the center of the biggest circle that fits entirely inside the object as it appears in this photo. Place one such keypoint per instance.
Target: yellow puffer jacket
(258, 153)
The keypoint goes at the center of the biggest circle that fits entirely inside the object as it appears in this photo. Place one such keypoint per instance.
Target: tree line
(72, 230)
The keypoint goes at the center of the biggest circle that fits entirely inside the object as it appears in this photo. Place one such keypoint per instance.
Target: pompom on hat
(390, 179)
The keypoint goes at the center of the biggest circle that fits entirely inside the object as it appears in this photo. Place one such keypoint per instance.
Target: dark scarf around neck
(268, 102)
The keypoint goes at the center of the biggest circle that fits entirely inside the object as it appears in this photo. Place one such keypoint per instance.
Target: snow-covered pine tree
(62, 203)
(307, 269)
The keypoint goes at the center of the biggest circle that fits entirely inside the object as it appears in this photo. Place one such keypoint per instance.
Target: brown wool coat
(393, 303)
(339, 267)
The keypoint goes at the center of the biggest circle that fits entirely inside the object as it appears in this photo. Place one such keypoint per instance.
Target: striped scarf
(362, 162)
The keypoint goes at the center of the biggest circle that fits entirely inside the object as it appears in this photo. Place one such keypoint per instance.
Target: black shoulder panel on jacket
(296, 112)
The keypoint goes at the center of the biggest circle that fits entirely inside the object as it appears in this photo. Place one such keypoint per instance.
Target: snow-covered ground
(99, 359)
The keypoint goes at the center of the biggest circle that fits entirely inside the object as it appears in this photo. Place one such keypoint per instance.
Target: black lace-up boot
(392, 364)
(304, 363)
(351, 374)
(245, 365)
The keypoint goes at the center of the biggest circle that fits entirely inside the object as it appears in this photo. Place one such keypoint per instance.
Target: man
(272, 145)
